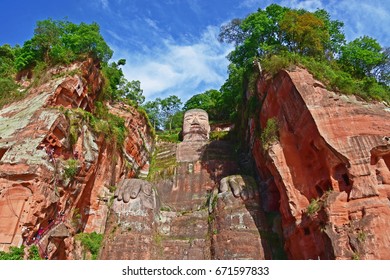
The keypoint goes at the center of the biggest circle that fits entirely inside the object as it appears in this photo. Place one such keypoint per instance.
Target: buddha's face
(196, 125)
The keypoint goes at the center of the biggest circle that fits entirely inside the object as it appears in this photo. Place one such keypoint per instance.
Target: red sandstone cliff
(50, 186)
(333, 149)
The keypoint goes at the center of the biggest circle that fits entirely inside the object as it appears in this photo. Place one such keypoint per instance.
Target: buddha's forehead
(196, 112)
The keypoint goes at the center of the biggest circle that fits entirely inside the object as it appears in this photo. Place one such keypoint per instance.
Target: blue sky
(171, 45)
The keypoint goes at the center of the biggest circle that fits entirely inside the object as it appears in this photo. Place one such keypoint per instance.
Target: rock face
(55, 172)
(329, 168)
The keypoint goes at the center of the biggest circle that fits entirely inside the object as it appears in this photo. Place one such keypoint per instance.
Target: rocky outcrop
(328, 172)
(56, 171)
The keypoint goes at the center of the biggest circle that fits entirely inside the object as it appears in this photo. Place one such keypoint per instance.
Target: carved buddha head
(196, 125)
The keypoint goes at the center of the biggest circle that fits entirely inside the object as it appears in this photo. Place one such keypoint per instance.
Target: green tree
(207, 101)
(260, 35)
(361, 56)
(305, 33)
(131, 90)
(382, 71)
(152, 109)
(231, 93)
(336, 34)
(176, 121)
(63, 42)
(169, 106)
(15, 253)
(47, 34)
(7, 61)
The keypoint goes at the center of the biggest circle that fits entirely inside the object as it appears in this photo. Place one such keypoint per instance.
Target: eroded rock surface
(55, 172)
(330, 167)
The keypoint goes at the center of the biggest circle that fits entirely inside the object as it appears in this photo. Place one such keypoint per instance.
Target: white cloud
(370, 18)
(104, 4)
(153, 24)
(250, 3)
(310, 5)
(179, 69)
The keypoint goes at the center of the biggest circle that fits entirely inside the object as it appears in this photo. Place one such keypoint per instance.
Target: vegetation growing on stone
(91, 242)
(15, 253)
(313, 207)
(70, 169)
(33, 253)
(269, 135)
(102, 122)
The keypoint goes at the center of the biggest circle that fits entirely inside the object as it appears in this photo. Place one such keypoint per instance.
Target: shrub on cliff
(91, 243)
(269, 135)
(15, 253)
(71, 168)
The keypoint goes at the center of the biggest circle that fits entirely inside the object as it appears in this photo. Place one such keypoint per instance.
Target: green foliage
(164, 112)
(313, 207)
(219, 135)
(276, 29)
(56, 41)
(76, 218)
(176, 121)
(361, 236)
(71, 168)
(361, 56)
(33, 253)
(117, 87)
(269, 135)
(169, 106)
(8, 88)
(171, 136)
(231, 93)
(112, 126)
(91, 242)
(152, 109)
(275, 63)
(208, 101)
(15, 253)
(330, 74)
(305, 33)
(9, 91)
(7, 58)
(282, 37)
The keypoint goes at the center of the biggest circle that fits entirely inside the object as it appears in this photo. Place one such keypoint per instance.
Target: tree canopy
(280, 36)
(361, 56)
(164, 113)
(56, 41)
(276, 29)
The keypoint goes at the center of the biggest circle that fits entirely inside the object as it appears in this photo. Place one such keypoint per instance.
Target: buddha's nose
(195, 121)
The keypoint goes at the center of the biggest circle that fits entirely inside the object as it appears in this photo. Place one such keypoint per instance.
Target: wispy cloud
(183, 70)
(105, 4)
(363, 18)
(310, 5)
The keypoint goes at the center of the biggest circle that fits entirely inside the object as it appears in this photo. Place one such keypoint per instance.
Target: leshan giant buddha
(196, 125)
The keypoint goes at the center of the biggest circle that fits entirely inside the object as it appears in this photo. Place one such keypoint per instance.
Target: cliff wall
(328, 172)
(56, 172)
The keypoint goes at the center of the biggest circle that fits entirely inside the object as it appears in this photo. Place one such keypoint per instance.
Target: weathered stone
(327, 144)
(37, 185)
(196, 125)
(238, 221)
